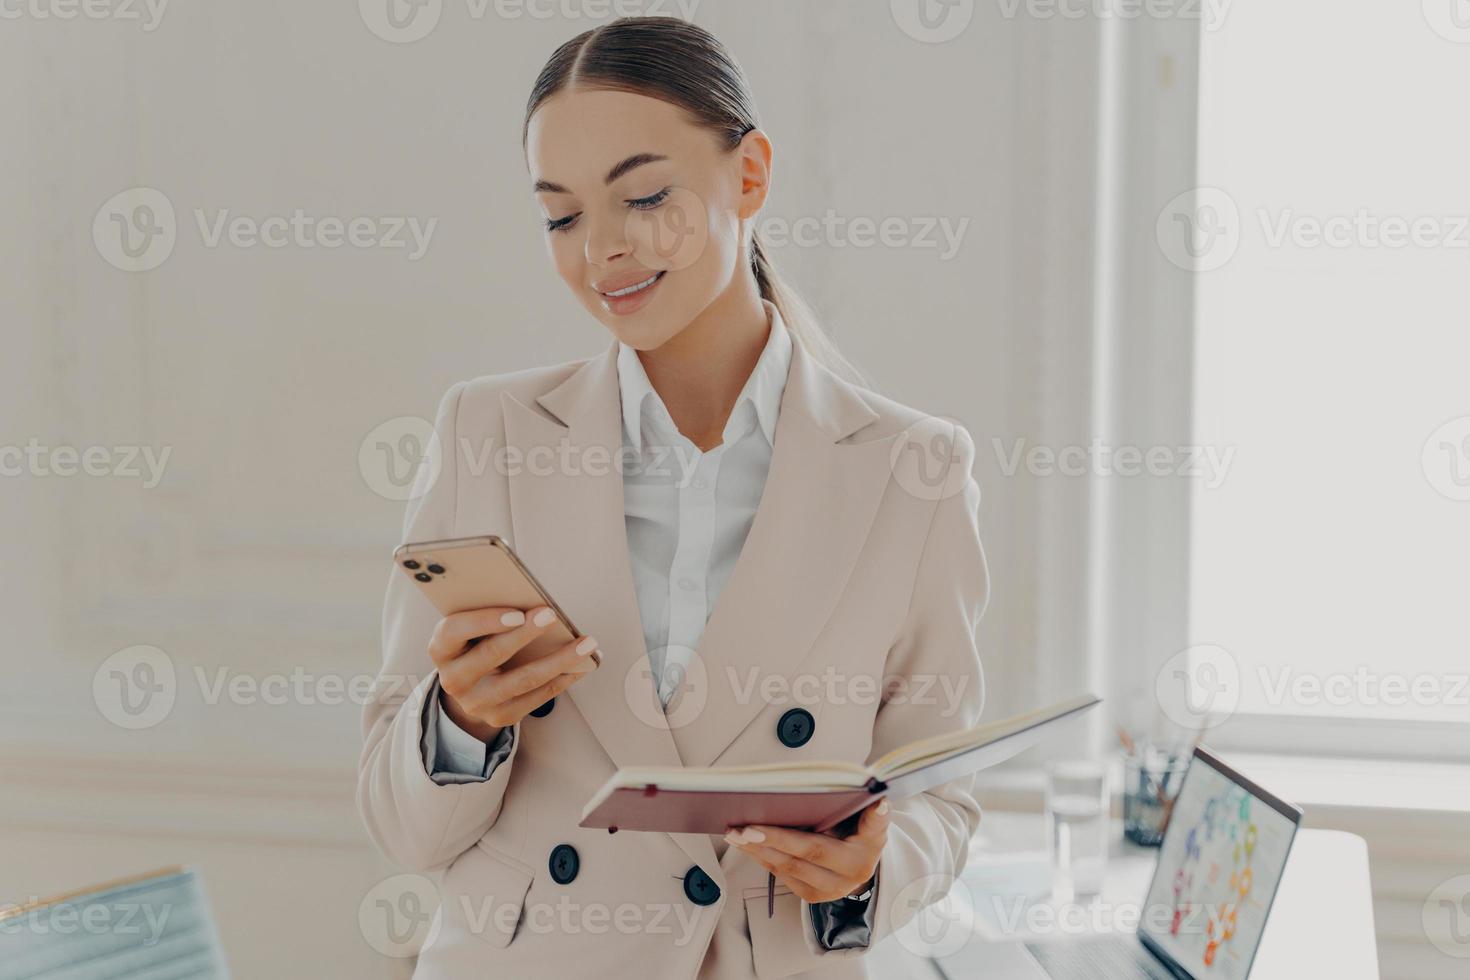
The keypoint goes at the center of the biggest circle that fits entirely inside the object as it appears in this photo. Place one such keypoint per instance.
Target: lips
(628, 284)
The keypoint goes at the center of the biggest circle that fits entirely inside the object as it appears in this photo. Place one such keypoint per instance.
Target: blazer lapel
(820, 499)
(566, 496)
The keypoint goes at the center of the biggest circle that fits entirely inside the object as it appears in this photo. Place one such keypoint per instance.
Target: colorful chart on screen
(1220, 864)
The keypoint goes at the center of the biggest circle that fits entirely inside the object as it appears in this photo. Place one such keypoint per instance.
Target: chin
(645, 330)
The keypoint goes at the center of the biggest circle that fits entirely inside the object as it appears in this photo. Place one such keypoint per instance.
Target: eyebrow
(631, 163)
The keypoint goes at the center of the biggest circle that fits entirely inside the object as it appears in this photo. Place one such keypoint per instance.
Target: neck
(700, 371)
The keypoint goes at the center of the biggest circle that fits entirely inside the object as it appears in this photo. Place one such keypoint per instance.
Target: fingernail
(734, 837)
(586, 645)
(882, 807)
(513, 618)
(753, 836)
(544, 617)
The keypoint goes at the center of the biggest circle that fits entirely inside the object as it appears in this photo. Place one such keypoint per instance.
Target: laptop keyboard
(1107, 956)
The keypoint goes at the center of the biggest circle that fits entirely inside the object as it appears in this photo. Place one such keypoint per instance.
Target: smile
(637, 287)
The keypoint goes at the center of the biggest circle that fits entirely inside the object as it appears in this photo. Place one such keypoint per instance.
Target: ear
(755, 172)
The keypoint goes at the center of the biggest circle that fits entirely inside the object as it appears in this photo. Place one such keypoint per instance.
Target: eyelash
(638, 204)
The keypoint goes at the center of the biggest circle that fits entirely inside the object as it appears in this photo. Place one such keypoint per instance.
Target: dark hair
(685, 65)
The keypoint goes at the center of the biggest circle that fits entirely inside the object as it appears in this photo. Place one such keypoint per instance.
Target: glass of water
(1077, 828)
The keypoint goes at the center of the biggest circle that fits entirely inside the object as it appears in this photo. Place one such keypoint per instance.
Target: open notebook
(810, 795)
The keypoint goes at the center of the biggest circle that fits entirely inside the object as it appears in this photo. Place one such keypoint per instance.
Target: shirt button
(699, 484)
(686, 583)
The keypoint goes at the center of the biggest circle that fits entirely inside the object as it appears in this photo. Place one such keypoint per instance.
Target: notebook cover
(711, 812)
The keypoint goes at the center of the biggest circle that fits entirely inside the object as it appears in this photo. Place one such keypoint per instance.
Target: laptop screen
(1220, 862)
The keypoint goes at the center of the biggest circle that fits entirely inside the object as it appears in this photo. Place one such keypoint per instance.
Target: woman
(846, 584)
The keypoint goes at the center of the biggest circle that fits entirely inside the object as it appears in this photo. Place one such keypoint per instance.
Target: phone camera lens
(437, 569)
(411, 565)
(424, 578)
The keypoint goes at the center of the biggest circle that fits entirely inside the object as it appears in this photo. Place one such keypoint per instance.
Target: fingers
(494, 651)
(518, 707)
(497, 687)
(454, 632)
(853, 858)
(873, 825)
(795, 871)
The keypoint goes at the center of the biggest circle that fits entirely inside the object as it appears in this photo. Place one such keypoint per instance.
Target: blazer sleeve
(929, 835)
(419, 823)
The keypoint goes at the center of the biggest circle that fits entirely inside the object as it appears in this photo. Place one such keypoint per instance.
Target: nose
(607, 241)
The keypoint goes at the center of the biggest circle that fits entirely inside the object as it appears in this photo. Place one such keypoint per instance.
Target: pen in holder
(1152, 776)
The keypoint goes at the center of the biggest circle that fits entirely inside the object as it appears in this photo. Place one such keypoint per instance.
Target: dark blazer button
(564, 864)
(700, 888)
(544, 710)
(795, 728)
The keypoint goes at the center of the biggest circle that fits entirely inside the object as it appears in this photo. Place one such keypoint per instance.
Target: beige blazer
(856, 597)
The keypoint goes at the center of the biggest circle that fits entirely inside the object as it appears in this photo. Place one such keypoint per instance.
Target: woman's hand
(819, 867)
(479, 696)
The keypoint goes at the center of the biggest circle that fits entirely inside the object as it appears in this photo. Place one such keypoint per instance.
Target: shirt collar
(762, 389)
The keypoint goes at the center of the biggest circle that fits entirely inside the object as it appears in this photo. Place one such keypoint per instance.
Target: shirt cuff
(846, 923)
(453, 755)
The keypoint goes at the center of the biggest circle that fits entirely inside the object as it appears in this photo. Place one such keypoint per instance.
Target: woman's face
(635, 195)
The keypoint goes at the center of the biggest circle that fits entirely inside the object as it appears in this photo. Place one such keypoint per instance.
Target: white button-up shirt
(687, 515)
(688, 512)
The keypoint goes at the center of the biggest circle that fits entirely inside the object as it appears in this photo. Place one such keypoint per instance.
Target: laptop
(1220, 863)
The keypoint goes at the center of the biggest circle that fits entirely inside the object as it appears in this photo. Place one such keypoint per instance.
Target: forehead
(577, 135)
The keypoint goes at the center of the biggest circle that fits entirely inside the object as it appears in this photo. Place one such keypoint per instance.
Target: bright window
(1333, 358)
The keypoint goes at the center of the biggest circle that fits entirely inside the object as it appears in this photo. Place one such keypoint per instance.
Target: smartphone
(459, 574)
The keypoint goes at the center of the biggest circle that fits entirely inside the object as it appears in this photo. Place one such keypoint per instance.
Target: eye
(560, 224)
(650, 202)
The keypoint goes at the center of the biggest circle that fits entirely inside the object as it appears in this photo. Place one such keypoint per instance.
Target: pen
(770, 894)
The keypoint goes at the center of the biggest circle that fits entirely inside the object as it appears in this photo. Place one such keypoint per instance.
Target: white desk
(1321, 924)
